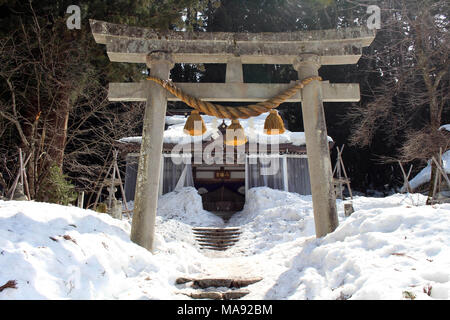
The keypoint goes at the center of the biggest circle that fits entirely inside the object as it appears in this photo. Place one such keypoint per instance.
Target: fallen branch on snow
(12, 284)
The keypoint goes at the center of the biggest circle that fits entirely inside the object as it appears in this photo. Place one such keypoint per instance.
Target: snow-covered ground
(390, 248)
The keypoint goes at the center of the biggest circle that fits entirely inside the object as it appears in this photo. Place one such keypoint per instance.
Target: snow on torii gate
(307, 51)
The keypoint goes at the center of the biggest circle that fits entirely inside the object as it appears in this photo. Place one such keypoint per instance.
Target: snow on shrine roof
(424, 175)
(253, 128)
(445, 127)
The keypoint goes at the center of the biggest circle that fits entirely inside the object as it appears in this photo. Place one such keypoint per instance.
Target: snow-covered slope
(271, 217)
(185, 205)
(388, 249)
(377, 253)
(58, 252)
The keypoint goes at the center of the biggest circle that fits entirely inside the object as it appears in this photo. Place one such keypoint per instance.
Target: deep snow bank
(185, 205)
(273, 216)
(390, 247)
(58, 252)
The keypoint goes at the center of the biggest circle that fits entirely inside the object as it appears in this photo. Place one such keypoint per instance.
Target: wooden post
(27, 188)
(113, 178)
(121, 189)
(116, 209)
(99, 179)
(405, 177)
(116, 171)
(439, 176)
(80, 202)
(12, 190)
(347, 180)
(348, 209)
(21, 165)
(14, 186)
(147, 184)
(23, 175)
(436, 178)
(101, 186)
(441, 171)
(317, 148)
(339, 173)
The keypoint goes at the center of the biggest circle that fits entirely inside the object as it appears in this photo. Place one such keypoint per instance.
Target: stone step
(215, 229)
(217, 233)
(214, 248)
(218, 282)
(203, 283)
(218, 241)
(216, 238)
(217, 247)
(228, 295)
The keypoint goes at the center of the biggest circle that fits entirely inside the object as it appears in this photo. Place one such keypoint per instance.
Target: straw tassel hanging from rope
(274, 124)
(190, 126)
(238, 137)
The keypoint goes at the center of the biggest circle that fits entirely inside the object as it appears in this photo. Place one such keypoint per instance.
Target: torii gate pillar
(319, 162)
(147, 186)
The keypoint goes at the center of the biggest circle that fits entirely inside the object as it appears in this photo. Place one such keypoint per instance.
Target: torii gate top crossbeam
(133, 44)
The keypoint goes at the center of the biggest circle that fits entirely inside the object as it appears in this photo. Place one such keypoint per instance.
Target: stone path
(217, 288)
(224, 281)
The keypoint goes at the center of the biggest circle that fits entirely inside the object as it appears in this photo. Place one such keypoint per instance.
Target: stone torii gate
(307, 51)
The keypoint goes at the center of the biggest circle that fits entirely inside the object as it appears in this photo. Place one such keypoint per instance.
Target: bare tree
(411, 55)
(53, 104)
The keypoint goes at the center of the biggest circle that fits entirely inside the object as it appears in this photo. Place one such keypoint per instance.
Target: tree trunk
(57, 138)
